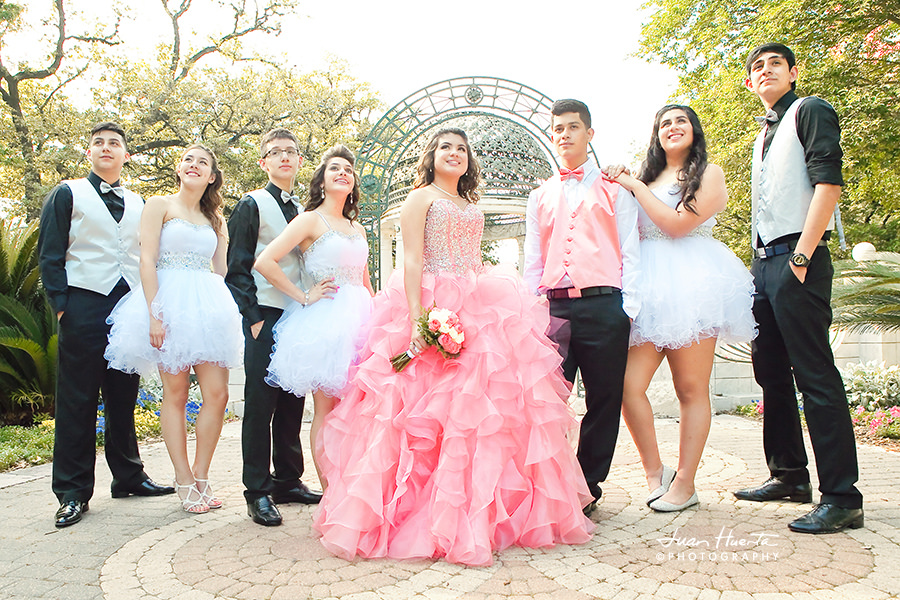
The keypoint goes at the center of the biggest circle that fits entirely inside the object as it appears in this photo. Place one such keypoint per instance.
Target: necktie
(118, 190)
(771, 117)
(285, 196)
(565, 173)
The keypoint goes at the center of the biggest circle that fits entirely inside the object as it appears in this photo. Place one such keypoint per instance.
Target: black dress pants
(598, 347)
(270, 434)
(82, 376)
(793, 345)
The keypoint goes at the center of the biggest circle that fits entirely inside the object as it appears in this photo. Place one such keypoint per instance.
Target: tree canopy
(205, 84)
(848, 52)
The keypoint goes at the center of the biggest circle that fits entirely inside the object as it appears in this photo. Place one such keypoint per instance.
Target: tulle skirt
(315, 345)
(692, 288)
(454, 458)
(201, 321)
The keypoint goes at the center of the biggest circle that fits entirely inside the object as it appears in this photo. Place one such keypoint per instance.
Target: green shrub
(28, 340)
(872, 385)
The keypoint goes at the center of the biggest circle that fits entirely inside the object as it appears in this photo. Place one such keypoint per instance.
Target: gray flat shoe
(668, 476)
(663, 506)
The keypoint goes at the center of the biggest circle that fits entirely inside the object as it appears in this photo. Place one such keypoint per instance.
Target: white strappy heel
(207, 493)
(191, 502)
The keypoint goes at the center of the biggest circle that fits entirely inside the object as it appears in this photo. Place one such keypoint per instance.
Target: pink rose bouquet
(441, 328)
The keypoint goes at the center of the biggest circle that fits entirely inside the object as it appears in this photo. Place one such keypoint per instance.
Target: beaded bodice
(452, 238)
(186, 245)
(670, 195)
(339, 255)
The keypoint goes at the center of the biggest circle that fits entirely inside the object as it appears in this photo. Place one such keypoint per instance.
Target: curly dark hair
(691, 173)
(211, 201)
(467, 187)
(317, 185)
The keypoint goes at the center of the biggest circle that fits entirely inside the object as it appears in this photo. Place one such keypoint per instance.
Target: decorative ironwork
(508, 125)
(474, 95)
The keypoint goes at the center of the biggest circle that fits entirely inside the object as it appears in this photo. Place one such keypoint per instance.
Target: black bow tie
(118, 190)
(286, 196)
(770, 117)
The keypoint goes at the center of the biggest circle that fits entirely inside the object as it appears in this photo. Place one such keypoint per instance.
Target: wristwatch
(798, 259)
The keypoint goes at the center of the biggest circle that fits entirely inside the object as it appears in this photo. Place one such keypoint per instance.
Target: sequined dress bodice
(669, 194)
(452, 238)
(186, 245)
(339, 255)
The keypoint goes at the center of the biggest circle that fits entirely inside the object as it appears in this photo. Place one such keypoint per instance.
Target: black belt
(565, 293)
(779, 249)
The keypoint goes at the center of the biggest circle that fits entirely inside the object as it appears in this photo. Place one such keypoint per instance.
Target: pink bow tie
(565, 173)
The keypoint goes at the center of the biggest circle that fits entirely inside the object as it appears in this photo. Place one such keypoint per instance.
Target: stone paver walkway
(147, 548)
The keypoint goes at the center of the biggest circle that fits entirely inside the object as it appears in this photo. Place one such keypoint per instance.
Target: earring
(323, 193)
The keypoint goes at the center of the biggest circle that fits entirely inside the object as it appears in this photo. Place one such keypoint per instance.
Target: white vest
(102, 251)
(780, 185)
(272, 223)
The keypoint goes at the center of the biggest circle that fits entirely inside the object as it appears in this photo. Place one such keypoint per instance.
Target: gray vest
(780, 185)
(272, 223)
(102, 251)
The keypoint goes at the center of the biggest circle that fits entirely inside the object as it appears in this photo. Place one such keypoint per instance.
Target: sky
(401, 46)
(582, 51)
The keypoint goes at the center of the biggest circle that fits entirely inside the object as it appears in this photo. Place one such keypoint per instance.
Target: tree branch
(260, 22)
(57, 51)
(62, 84)
(157, 144)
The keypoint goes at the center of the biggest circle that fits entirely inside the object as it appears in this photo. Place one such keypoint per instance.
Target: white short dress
(691, 288)
(198, 312)
(316, 344)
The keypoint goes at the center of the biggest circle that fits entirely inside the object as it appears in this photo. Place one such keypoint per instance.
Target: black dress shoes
(828, 518)
(263, 511)
(70, 512)
(776, 489)
(147, 487)
(299, 494)
(592, 505)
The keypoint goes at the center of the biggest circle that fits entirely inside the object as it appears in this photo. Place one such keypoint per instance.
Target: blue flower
(144, 398)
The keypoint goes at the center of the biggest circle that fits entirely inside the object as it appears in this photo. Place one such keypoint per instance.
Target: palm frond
(867, 294)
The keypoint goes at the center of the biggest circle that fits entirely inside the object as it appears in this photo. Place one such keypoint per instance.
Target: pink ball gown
(453, 458)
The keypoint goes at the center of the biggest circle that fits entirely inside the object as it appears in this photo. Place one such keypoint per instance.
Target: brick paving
(148, 549)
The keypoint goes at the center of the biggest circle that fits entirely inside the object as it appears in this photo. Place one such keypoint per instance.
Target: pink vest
(584, 243)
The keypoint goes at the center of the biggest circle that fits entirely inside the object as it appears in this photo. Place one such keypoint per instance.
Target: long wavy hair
(211, 201)
(691, 173)
(317, 185)
(467, 187)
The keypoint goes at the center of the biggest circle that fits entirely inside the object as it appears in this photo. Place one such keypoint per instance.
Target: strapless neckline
(188, 223)
(346, 236)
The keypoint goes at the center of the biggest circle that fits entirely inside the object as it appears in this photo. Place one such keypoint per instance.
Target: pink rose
(453, 347)
(434, 325)
(444, 340)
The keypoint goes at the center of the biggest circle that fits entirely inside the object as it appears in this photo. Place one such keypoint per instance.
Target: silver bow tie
(771, 116)
(286, 196)
(118, 190)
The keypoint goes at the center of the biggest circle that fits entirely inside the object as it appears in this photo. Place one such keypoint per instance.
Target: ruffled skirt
(315, 345)
(454, 458)
(692, 288)
(201, 321)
